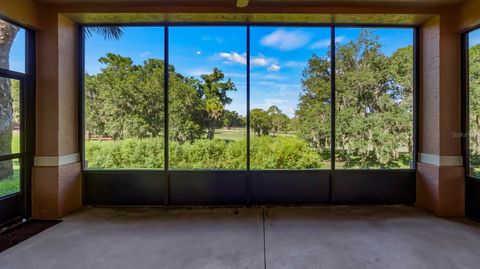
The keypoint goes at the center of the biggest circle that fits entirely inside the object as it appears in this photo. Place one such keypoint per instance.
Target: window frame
(472, 183)
(81, 73)
(249, 186)
(465, 99)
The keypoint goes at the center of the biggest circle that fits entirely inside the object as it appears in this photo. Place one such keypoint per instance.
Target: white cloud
(259, 61)
(198, 52)
(145, 54)
(324, 43)
(234, 57)
(274, 67)
(286, 40)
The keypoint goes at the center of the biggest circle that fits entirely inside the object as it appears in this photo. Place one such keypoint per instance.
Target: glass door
(12, 194)
(16, 75)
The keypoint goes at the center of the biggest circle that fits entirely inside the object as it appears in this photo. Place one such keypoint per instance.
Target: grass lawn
(16, 141)
(12, 184)
(232, 134)
(239, 134)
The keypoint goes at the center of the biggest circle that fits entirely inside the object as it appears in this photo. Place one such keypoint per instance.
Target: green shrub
(128, 153)
(266, 153)
(283, 153)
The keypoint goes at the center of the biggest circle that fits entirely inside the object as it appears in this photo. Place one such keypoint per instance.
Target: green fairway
(12, 184)
(231, 135)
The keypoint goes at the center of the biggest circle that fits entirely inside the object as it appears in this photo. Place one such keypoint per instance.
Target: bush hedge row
(266, 153)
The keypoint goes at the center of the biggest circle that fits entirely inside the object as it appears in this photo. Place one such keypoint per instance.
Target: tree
(127, 101)
(366, 106)
(96, 123)
(214, 92)
(113, 93)
(8, 33)
(231, 119)
(474, 106)
(261, 122)
(186, 109)
(373, 102)
(313, 110)
(280, 121)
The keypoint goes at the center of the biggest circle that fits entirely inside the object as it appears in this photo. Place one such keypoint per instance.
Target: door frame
(16, 207)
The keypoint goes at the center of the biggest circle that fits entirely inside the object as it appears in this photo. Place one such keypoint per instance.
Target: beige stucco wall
(469, 15)
(21, 11)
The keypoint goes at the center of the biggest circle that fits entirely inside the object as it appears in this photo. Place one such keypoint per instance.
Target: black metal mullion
(81, 106)
(81, 93)
(248, 96)
(248, 177)
(465, 102)
(29, 119)
(11, 157)
(23, 139)
(166, 67)
(12, 74)
(416, 90)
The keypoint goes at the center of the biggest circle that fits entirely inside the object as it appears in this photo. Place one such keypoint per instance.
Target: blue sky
(278, 55)
(17, 53)
(474, 37)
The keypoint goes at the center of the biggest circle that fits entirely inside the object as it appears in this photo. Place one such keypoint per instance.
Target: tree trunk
(7, 35)
(210, 133)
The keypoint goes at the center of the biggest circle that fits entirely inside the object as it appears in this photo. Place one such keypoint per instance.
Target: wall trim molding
(439, 160)
(56, 160)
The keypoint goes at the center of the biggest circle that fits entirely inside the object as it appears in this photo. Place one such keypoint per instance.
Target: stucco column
(56, 181)
(440, 171)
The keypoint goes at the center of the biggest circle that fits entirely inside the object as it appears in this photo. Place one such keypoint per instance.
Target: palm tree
(107, 32)
(8, 32)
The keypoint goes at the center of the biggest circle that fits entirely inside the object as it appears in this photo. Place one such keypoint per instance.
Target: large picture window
(248, 97)
(474, 102)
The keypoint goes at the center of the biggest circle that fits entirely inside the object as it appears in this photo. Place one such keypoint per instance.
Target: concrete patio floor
(273, 237)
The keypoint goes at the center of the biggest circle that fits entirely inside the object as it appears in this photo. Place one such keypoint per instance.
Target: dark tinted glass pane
(124, 98)
(290, 98)
(374, 98)
(9, 177)
(207, 98)
(12, 47)
(474, 102)
(9, 116)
